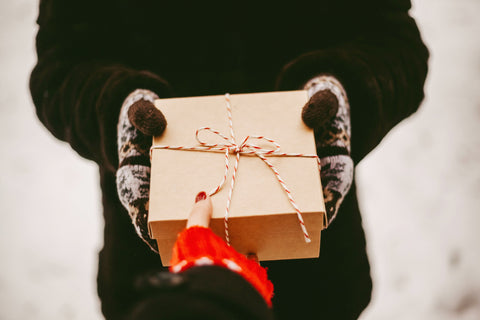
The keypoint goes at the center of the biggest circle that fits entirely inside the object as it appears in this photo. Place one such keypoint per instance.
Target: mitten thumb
(147, 118)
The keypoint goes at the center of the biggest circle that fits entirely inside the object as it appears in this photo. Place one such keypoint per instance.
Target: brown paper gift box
(261, 218)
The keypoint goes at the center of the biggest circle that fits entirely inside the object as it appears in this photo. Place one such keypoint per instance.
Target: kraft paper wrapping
(261, 218)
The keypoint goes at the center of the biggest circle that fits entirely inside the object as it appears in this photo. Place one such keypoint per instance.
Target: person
(100, 65)
(208, 279)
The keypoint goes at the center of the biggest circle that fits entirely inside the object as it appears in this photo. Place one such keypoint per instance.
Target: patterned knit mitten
(328, 113)
(139, 121)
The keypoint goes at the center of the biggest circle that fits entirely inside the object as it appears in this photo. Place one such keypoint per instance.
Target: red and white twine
(245, 148)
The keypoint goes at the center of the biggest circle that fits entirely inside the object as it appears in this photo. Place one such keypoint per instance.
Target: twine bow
(247, 147)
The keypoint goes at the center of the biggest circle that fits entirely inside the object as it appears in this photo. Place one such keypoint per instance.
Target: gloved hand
(139, 120)
(328, 113)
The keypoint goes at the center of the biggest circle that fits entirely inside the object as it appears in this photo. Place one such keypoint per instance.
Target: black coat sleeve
(383, 69)
(81, 77)
(205, 292)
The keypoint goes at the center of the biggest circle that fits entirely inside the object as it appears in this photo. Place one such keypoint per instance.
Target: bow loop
(270, 147)
(229, 142)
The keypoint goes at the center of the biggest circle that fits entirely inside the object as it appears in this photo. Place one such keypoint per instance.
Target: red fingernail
(201, 196)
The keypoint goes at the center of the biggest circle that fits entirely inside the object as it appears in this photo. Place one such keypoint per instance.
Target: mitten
(139, 120)
(328, 113)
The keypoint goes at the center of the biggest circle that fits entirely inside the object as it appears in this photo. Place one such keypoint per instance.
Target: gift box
(269, 202)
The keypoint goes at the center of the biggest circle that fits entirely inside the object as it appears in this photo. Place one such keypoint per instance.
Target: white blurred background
(419, 190)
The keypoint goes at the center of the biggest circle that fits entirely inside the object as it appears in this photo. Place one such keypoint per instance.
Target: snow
(419, 190)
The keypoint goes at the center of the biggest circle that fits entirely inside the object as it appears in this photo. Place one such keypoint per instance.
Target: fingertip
(201, 212)
(201, 196)
(208, 205)
(204, 202)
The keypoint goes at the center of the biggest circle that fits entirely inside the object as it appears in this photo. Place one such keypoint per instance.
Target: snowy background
(419, 190)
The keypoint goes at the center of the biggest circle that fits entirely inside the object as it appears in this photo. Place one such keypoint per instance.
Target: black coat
(92, 54)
